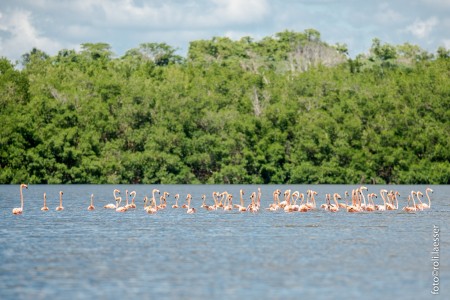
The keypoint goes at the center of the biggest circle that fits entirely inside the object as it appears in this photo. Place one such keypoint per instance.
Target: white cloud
(22, 36)
(422, 29)
(387, 15)
(241, 11)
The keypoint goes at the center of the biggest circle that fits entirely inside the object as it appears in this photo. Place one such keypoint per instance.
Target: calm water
(78, 254)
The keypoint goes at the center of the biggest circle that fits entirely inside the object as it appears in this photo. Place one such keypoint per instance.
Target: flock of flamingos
(291, 202)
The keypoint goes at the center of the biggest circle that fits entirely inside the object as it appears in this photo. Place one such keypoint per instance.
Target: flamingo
(294, 205)
(151, 209)
(176, 201)
(229, 206)
(390, 204)
(332, 207)
(370, 204)
(60, 207)
(241, 207)
(311, 197)
(410, 208)
(424, 205)
(335, 207)
(113, 206)
(429, 199)
(163, 200)
(91, 207)
(132, 204)
(418, 195)
(45, 207)
(210, 207)
(120, 208)
(395, 198)
(287, 198)
(356, 202)
(204, 205)
(223, 196)
(258, 199)
(19, 210)
(303, 207)
(190, 210)
(382, 207)
(360, 192)
(153, 200)
(283, 203)
(252, 206)
(327, 204)
(276, 200)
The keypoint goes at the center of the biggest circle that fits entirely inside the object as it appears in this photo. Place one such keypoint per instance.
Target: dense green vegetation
(285, 109)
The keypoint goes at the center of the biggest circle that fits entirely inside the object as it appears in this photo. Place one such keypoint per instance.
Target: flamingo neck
(364, 198)
(335, 200)
(115, 194)
(288, 197)
(429, 200)
(21, 197)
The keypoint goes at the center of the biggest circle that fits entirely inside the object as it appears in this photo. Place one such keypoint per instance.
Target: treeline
(285, 109)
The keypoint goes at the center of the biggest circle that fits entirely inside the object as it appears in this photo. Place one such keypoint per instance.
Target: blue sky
(52, 25)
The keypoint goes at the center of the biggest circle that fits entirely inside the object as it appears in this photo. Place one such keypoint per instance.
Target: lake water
(102, 254)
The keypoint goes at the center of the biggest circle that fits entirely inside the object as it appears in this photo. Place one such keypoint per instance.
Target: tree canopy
(288, 108)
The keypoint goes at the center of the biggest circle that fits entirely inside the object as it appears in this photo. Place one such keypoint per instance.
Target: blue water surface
(102, 254)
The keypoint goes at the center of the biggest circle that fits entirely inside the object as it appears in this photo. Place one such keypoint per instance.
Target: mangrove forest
(286, 109)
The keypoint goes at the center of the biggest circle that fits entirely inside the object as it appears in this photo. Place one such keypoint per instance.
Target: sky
(53, 25)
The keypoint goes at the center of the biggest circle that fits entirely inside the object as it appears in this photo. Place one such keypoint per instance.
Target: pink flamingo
(176, 201)
(113, 206)
(303, 207)
(241, 207)
(120, 208)
(60, 207)
(410, 208)
(229, 205)
(327, 204)
(91, 207)
(370, 204)
(356, 202)
(132, 204)
(382, 207)
(423, 206)
(190, 210)
(252, 206)
(276, 201)
(151, 209)
(19, 210)
(45, 207)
